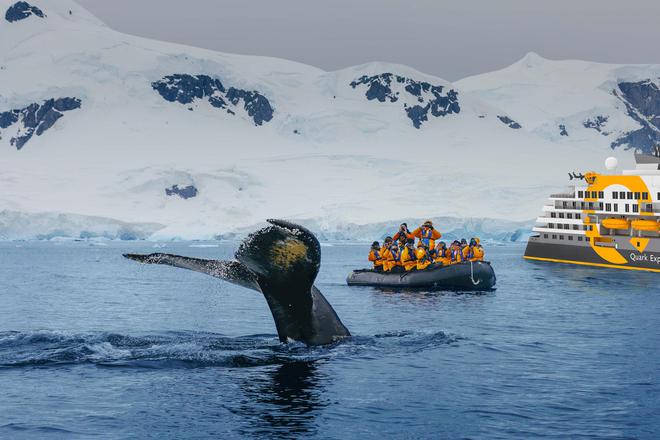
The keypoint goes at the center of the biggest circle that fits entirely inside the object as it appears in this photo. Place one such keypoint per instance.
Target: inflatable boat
(477, 275)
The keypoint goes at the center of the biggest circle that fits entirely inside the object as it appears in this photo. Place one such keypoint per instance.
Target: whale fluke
(281, 261)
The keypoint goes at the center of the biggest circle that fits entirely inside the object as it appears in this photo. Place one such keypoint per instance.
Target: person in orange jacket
(375, 257)
(441, 254)
(392, 258)
(427, 234)
(408, 256)
(455, 253)
(423, 257)
(474, 251)
(403, 234)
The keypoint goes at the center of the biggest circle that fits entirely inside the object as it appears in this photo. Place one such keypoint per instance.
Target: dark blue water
(95, 346)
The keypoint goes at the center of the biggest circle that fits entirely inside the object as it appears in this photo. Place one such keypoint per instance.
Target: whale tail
(281, 261)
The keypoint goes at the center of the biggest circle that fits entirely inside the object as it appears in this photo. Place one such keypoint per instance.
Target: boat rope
(472, 274)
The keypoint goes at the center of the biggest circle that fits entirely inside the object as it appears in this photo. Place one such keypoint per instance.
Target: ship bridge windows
(622, 195)
(615, 195)
(637, 194)
(630, 195)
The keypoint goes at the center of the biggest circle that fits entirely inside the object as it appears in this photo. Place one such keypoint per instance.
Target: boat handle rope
(472, 274)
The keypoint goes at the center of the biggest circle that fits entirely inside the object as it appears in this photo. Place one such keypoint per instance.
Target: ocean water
(96, 346)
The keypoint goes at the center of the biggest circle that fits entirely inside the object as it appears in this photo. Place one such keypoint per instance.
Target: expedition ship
(610, 220)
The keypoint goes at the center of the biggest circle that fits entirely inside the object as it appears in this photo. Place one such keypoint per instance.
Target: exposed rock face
(22, 10)
(35, 118)
(642, 101)
(509, 122)
(424, 97)
(598, 123)
(186, 192)
(185, 89)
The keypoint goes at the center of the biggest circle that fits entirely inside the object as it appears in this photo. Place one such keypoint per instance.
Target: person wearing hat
(423, 257)
(375, 257)
(455, 252)
(427, 234)
(441, 254)
(408, 256)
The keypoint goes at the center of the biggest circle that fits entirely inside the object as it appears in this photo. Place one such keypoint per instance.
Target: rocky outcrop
(420, 99)
(509, 122)
(35, 119)
(186, 192)
(642, 101)
(186, 89)
(22, 10)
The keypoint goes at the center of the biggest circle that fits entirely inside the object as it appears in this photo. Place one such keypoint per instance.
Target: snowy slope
(575, 102)
(98, 123)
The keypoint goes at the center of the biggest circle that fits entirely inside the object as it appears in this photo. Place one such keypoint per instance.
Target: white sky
(448, 38)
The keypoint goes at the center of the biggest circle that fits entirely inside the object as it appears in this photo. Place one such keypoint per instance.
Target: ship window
(545, 235)
(578, 216)
(635, 208)
(637, 196)
(659, 196)
(561, 215)
(645, 195)
(579, 238)
(601, 195)
(608, 206)
(570, 237)
(581, 194)
(600, 206)
(575, 227)
(569, 215)
(627, 207)
(615, 195)
(616, 207)
(554, 236)
(561, 237)
(553, 215)
(649, 207)
(630, 195)
(622, 195)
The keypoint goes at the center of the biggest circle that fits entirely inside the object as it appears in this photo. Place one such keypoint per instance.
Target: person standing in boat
(402, 235)
(375, 256)
(427, 234)
(408, 256)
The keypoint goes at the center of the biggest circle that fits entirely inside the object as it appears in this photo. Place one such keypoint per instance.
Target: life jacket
(408, 258)
(426, 236)
(478, 253)
(468, 252)
(405, 234)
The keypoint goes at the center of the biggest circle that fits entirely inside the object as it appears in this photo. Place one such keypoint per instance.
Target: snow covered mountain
(577, 101)
(150, 139)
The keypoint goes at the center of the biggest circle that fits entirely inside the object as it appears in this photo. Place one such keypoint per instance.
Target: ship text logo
(650, 258)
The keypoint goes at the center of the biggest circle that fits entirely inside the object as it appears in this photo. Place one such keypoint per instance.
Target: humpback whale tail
(281, 261)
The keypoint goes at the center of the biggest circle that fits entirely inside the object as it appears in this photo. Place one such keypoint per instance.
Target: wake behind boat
(468, 275)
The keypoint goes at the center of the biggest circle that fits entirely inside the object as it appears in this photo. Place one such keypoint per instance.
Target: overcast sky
(450, 39)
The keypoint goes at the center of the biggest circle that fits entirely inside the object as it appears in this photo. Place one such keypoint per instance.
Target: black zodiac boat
(477, 275)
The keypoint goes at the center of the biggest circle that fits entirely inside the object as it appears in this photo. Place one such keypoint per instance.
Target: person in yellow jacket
(427, 234)
(408, 256)
(441, 254)
(392, 258)
(423, 257)
(474, 251)
(455, 253)
(375, 256)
